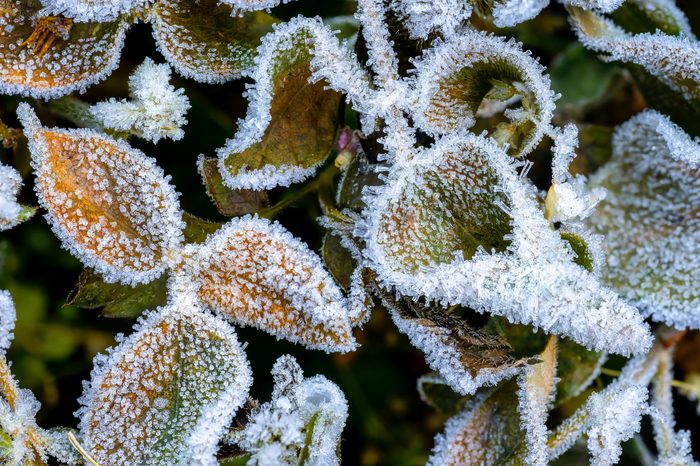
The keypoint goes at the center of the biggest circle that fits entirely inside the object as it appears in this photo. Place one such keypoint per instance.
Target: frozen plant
(516, 235)
(157, 110)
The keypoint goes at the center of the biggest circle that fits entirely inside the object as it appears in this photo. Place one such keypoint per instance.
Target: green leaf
(582, 254)
(204, 40)
(230, 202)
(147, 400)
(338, 260)
(116, 300)
(358, 174)
(577, 366)
(197, 230)
(437, 393)
(579, 76)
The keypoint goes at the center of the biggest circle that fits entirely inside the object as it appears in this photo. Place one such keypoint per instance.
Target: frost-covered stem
(313, 186)
(382, 58)
(663, 401)
(8, 385)
(638, 371)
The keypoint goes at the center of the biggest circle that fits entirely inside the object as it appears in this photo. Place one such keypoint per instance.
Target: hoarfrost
(157, 110)
(306, 416)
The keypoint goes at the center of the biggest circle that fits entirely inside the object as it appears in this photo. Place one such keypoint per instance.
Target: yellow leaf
(257, 274)
(47, 57)
(110, 204)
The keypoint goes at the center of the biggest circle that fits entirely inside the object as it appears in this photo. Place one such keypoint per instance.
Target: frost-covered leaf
(357, 174)
(229, 202)
(649, 218)
(464, 356)
(49, 56)
(166, 393)
(486, 432)
(536, 391)
(10, 184)
(157, 110)
(672, 59)
(92, 10)
(256, 273)
(117, 300)
(476, 73)
(291, 124)
(22, 442)
(302, 423)
(203, 40)
(508, 13)
(110, 204)
(460, 226)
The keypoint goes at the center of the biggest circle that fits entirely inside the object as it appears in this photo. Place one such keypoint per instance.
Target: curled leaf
(672, 59)
(649, 218)
(49, 56)
(537, 385)
(291, 123)
(204, 40)
(256, 273)
(166, 393)
(459, 226)
(457, 78)
(110, 205)
(465, 357)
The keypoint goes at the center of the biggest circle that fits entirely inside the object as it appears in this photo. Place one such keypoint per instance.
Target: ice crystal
(157, 110)
(149, 394)
(485, 244)
(73, 57)
(675, 60)
(92, 10)
(241, 6)
(426, 16)
(10, 184)
(7, 320)
(648, 218)
(507, 13)
(616, 415)
(302, 422)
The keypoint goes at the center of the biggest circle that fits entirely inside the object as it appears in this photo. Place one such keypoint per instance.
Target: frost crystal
(426, 16)
(7, 320)
(10, 184)
(157, 110)
(148, 396)
(476, 237)
(648, 218)
(616, 415)
(92, 10)
(304, 420)
(507, 13)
